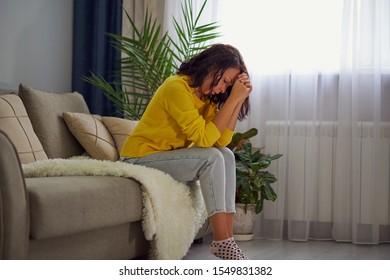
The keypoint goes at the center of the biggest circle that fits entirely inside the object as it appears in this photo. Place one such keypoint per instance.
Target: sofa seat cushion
(62, 206)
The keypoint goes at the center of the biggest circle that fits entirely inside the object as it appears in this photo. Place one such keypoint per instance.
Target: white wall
(36, 44)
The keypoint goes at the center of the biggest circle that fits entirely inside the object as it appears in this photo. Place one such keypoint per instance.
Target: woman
(185, 130)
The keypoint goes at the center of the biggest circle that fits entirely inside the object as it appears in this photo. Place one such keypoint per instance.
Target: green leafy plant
(253, 180)
(151, 56)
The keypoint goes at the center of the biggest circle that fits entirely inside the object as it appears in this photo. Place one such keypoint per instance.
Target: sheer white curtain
(364, 96)
(137, 9)
(320, 62)
(173, 10)
(324, 64)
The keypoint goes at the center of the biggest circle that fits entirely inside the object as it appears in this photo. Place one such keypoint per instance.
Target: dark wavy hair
(215, 60)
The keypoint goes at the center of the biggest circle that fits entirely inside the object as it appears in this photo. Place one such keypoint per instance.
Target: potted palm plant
(253, 183)
(151, 56)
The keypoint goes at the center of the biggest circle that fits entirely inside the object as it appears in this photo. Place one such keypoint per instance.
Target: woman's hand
(244, 78)
(227, 116)
(242, 88)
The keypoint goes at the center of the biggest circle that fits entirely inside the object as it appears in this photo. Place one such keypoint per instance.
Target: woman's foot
(227, 250)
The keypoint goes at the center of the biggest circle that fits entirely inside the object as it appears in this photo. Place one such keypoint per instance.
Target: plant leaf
(151, 56)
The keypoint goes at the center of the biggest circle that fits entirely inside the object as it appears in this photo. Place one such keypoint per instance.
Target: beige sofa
(72, 217)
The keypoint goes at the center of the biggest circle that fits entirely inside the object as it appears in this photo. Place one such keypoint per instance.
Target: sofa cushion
(45, 111)
(16, 124)
(92, 135)
(62, 206)
(119, 129)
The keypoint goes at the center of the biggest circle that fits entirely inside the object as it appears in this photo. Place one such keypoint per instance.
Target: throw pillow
(45, 111)
(15, 122)
(92, 135)
(119, 129)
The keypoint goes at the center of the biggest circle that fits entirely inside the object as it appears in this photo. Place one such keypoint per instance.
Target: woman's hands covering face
(242, 87)
(244, 78)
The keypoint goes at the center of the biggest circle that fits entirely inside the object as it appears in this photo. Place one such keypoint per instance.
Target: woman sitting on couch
(186, 128)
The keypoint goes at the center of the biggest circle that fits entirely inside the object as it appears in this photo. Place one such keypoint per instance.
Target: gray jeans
(214, 168)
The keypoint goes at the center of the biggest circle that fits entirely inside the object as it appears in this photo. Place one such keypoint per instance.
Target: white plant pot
(243, 237)
(243, 222)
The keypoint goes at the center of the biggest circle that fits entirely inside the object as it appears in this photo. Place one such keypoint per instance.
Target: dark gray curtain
(92, 50)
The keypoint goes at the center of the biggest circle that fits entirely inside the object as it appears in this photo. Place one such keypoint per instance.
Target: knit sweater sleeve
(225, 138)
(180, 105)
(227, 134)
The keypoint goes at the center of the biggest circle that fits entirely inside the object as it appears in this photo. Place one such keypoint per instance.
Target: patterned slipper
(227, 250)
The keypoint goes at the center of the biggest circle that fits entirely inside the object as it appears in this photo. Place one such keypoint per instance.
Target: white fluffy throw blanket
(172, 212)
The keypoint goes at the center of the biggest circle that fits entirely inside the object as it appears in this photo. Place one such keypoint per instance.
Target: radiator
(306, 172)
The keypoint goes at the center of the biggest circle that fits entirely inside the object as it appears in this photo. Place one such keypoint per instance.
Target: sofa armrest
(14, 215)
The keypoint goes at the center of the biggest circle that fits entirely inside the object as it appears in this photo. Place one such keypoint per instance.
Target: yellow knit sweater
(175, 118)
